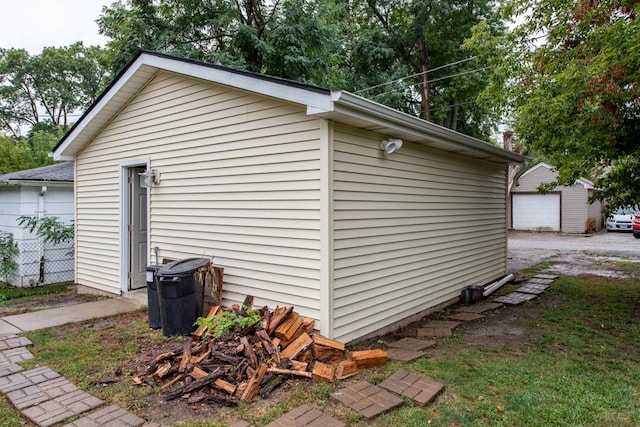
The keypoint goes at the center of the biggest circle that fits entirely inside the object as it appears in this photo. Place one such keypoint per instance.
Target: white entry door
(536, 212)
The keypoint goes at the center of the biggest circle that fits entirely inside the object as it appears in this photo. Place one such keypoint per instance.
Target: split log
(266, 341)
(225, 386)
(279, 371)
(200, 358)
(248, 303)
(289, 329)
(254, 383)
(186, 355)
(181, 391)
(270, 386)
(299, 366)
(198, 373)
(346, 369)
(323, 373)
(249, 353)
(327, 350)
(368, 358)
(173, 381)
(165, 356)
(225, 357)
(297, 346)
(162, 370)
(280, 314)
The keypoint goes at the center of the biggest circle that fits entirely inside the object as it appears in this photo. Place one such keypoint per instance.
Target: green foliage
(228, 320)
(47, 88)
(10, 293)
(567, 78)
(8, 252)
(50, 228)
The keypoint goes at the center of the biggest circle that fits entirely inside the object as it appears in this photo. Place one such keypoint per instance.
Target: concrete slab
(540, 281)
(410, 343)
(546, 276)
(306, 415)
(6, 328)
(418, 388)
(479, 308)
(367, 399)
(532, 288)
(76, 313)
(438, 328)
(515, 298)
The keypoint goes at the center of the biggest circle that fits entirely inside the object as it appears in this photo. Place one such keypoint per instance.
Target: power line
(416, 74)
(462, 73)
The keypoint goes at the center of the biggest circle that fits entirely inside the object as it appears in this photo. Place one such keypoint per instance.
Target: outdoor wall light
(149, 178)
(391, 145)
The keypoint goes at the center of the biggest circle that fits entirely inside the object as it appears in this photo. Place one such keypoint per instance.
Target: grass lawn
(576, 362)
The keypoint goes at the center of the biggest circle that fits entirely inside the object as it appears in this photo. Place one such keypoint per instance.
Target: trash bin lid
(183, 266)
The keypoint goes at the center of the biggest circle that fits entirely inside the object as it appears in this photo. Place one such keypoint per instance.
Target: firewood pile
(242, 362)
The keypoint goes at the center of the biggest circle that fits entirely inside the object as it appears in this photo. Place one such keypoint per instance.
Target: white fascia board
(95, 110)
(353, 105)
(536, 167)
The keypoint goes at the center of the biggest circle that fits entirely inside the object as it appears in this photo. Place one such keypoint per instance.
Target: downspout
(41, 212)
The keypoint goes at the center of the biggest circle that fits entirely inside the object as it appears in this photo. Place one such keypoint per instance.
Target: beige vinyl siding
(574, 209)
(240, 182)
(411, 229)
(530, 182)
(594, 220)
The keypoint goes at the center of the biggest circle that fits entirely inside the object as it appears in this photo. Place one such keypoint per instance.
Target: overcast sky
(34, 24)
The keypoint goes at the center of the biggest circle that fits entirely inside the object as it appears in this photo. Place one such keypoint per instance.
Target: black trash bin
(152, 297)
(471, 294)
(180, 295)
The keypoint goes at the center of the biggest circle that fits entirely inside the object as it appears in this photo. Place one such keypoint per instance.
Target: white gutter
(496, 285)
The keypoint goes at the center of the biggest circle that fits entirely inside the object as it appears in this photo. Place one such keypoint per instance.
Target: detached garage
(322, 200)
(565, 209)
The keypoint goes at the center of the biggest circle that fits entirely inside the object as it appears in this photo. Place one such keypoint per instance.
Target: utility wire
(462, 73)
(416, 75)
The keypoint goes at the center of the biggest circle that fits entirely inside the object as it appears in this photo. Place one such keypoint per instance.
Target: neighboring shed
(287, 187)
(44, 191)
(565, 209)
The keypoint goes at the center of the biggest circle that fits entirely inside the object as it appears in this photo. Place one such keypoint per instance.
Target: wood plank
(297, 346)
(368, 358)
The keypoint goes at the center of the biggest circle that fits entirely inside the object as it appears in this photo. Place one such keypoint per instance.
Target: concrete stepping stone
(532, 288)
(479, 308)
(410, 343)
(465, 316)
(8, 368)
(418, 388)
(404, 355)
(367, 399)
(546, 276)
(62, 407)
(15, 355)
(515, 298)
(438, 328)
(112, 415)
(35, 394)
(305, 415)
(26, 378)
(8, 341)
(539, 281)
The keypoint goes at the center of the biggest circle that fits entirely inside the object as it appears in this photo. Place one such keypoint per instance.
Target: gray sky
(34, 24)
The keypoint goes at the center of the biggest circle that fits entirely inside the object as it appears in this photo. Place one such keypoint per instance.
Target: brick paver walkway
(367, 399)
(304, 416)
(8, 341)
(479, 308)
(418, 388)
(410, 343)
(532, 288)
(112, 415)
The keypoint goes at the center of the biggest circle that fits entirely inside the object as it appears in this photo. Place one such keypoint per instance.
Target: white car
(621, 220)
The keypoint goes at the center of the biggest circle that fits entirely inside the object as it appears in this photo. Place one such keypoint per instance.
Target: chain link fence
(42, 263)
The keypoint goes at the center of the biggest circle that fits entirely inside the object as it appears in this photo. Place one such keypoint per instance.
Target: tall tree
(285, 38)
(423, 39)
(47, 88)
(567, 76)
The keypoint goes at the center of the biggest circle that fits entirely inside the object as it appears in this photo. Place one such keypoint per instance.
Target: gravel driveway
(527, 249)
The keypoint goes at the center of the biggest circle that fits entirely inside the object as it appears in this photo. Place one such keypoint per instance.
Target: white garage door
(536, 212)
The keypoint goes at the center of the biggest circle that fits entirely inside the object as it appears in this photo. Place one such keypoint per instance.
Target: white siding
(240, 182)
(411, 229)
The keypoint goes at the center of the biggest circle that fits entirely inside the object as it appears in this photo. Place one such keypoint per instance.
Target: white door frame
(125, 205)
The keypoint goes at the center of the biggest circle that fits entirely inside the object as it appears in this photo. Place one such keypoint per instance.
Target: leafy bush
(8, 252)
(228, 320)
(50, 228)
